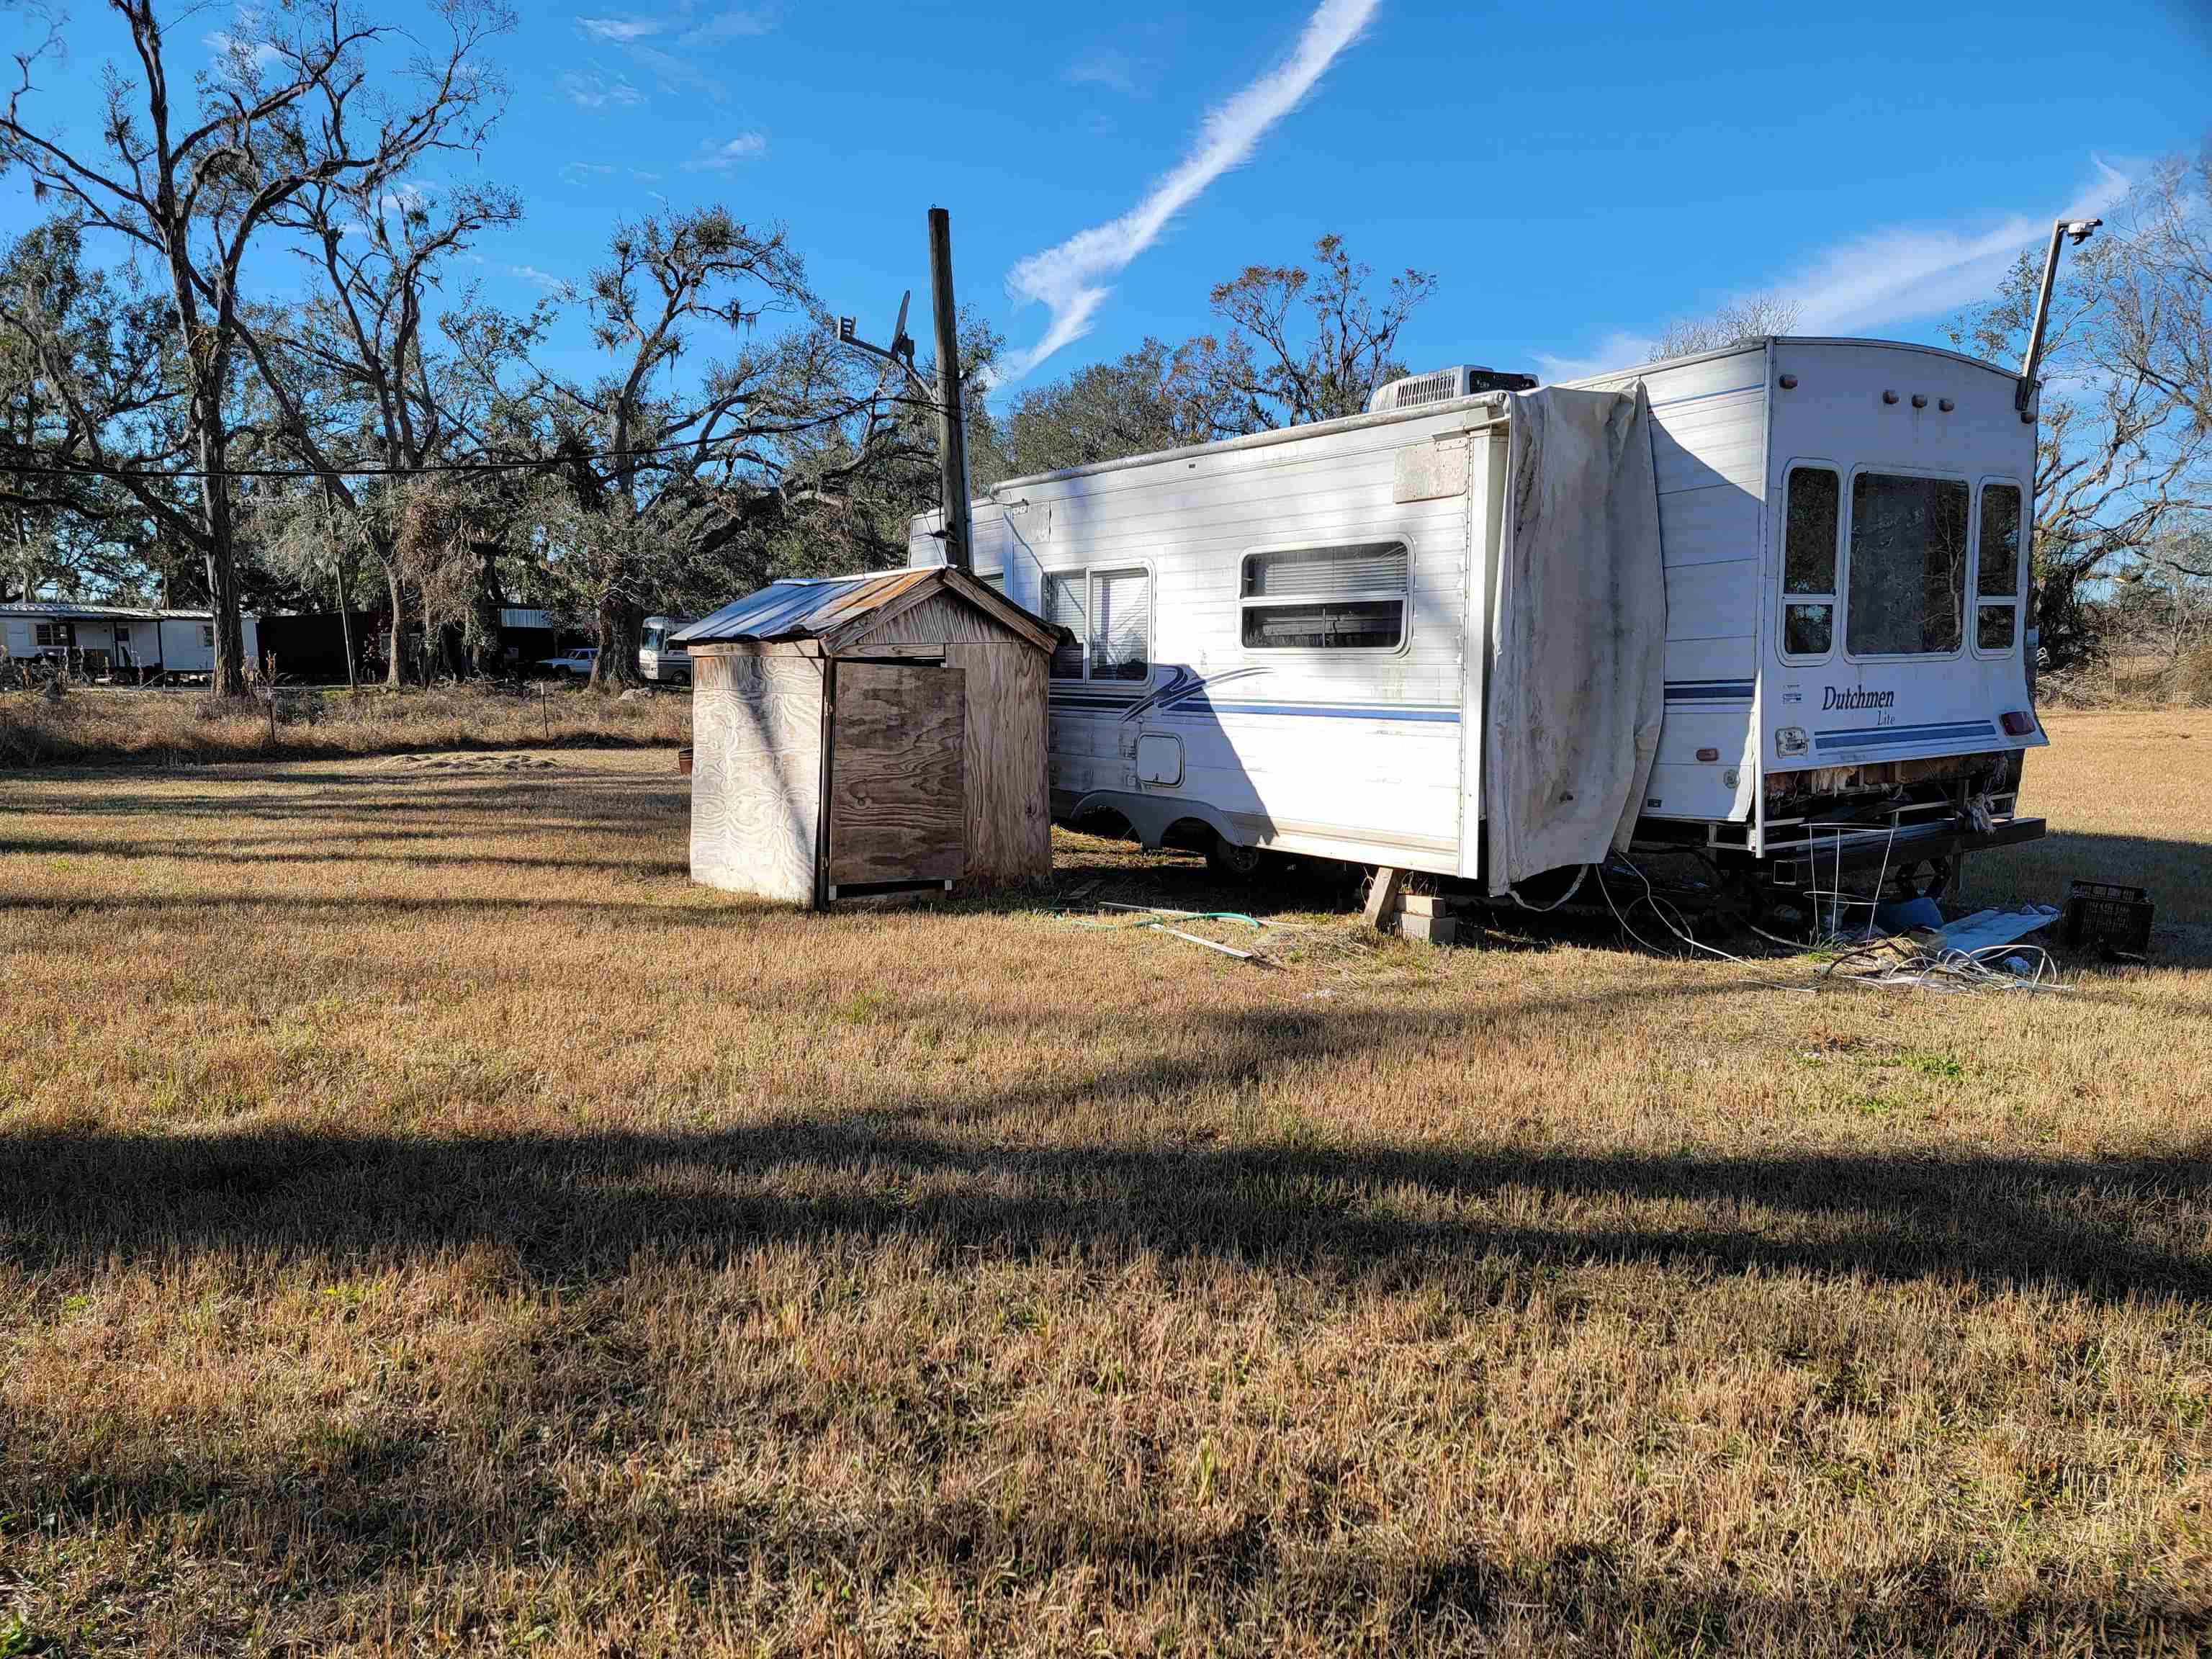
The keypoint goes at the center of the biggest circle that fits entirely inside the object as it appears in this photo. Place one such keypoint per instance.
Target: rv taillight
(2020, 723)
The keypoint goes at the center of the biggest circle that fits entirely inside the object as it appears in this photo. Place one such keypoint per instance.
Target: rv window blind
(1315, 572)
(1348, 597)
(1064, 595)
(1121, 624)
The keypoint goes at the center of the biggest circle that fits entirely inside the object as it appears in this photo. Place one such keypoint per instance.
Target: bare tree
(356, 370)
(86, 363)
(2125, 444)
(197, 190)
(1136, 403)
(1302, 344)
(1750, 318)
(632, 450)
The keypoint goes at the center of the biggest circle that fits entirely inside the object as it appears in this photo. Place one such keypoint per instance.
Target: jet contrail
(1069, 278)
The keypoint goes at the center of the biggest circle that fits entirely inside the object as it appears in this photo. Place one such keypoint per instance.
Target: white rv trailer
(659, 658)
(1285, 641)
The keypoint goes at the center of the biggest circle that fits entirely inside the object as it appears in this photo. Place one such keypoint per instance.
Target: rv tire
(1226, 858)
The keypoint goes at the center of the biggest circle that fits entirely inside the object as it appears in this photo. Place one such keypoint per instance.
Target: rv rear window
(1808, 561)
(1996, 569)
(1908, 568)
(1350, 597)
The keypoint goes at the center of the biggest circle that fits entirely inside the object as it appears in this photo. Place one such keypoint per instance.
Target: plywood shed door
(898, 785)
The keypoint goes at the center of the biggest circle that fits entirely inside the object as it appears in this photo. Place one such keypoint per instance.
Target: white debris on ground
(1980, 952)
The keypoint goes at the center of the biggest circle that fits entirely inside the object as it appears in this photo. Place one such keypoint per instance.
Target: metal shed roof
(817, 606)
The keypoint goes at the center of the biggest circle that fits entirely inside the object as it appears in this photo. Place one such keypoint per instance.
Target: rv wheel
(1227, 859)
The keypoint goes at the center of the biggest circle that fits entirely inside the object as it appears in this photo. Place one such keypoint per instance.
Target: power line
(314, 474)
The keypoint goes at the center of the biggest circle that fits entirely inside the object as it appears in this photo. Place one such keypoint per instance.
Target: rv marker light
(2019, 723)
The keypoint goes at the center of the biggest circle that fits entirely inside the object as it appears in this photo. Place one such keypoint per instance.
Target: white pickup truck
(575, 664)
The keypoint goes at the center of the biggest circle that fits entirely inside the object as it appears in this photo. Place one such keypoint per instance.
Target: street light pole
(2078, 230)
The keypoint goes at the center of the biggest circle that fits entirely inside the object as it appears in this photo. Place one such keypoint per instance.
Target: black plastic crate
(2106, 914)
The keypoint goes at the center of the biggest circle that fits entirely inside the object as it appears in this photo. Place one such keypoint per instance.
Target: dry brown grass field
(92, 725)
(428, 1224)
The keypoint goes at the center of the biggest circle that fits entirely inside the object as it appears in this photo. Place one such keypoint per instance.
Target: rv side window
(1997, 575)
(993, 579)
(1347, 598)
(1812, 517)
(1120, 624)
(1108, 615)
(1908, 582)
(1064, 608)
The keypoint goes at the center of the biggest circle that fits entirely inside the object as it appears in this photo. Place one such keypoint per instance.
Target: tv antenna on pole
(952, 419)
(899, 352)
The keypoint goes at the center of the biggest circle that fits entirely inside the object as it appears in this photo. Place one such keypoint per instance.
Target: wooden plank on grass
(1382, 893)
(897, 807)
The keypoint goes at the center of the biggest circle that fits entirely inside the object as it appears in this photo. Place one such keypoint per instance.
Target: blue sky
(1575, 178)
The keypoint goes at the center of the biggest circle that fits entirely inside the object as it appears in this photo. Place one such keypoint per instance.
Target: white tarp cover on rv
(1578, 630)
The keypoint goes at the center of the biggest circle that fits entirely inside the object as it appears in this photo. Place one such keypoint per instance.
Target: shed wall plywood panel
(936, 620)
(897, 807)
(1009, 821)
(757, 778)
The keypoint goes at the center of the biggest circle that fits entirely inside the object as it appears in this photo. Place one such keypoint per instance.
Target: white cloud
(544, 280)
(1110, 68)
(594, 89)
(677, 74)
(739, 21)
(620, 30)
(1898, 274)
(1618, 349)
(711, 157)
(1069, 280)
(1907, 271)
(685, 22)
(259, 53)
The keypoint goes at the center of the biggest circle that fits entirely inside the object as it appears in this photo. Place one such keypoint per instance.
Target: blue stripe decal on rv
(1868, 736)
(1708, 690)
(1200, 705)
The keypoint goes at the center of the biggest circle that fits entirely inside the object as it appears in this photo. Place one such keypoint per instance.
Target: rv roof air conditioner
(1441, 385)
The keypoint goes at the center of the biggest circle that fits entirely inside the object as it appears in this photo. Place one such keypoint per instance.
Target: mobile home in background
(128, 643)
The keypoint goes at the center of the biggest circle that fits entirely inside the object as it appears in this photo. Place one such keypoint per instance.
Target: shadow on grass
(345, 1511)
(963, 1172)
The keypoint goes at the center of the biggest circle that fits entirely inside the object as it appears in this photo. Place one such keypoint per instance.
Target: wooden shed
(855, 737)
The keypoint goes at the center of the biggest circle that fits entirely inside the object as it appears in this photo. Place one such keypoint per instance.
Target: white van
(658, 659)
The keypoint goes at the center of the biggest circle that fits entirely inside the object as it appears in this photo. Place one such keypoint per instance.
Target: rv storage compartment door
(1159, 759)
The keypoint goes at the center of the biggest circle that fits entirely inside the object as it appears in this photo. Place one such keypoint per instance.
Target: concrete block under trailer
(1278, 639)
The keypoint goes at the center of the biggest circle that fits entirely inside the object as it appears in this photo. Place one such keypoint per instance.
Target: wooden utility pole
(951, 424)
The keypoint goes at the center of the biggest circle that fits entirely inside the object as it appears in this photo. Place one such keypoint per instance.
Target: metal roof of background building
(67, 609)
